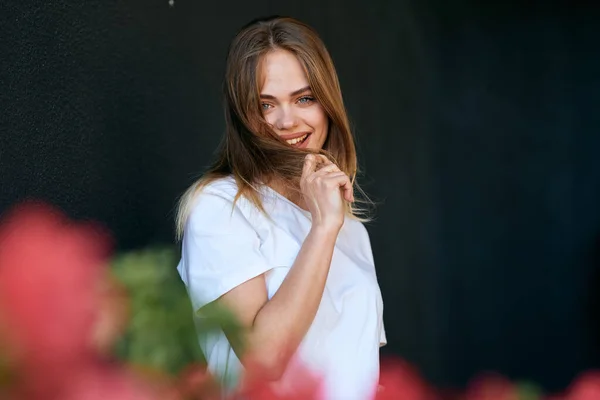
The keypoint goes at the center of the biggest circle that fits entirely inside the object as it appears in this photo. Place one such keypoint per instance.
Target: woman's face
(288, 104)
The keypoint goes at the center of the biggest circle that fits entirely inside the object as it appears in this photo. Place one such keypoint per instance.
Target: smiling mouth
(298, 141)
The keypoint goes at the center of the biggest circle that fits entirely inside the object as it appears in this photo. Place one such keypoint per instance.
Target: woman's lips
(298, 140)
(302, 144)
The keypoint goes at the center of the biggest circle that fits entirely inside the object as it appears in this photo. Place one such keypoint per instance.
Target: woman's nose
(286, 119)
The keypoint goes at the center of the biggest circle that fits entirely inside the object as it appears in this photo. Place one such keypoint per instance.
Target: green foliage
(528, 391)
(161, 333)
(6, 373)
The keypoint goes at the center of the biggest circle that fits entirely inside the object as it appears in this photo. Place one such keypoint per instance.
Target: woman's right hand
(325, 187)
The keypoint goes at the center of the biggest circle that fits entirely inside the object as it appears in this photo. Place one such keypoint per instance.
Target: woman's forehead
(281, 74)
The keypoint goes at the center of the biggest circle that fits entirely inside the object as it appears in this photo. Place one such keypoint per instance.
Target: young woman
(271, 230)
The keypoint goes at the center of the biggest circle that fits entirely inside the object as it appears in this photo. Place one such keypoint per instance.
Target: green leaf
(528, 391)
(161, 333)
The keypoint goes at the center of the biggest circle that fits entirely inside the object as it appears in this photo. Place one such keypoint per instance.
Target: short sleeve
(220, 249)
(369, 255)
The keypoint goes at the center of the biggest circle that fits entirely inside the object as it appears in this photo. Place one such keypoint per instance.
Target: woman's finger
(309, 165)
(327, 169)
(323, 160)
(342, 180)
(348, 191)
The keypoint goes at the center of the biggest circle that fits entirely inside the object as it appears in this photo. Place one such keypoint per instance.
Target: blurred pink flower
(48, 272)
(491, 386)
(102, 382)
(298, 383)
(51, 274)
(195, 383)
(585, 387)
(399, 380)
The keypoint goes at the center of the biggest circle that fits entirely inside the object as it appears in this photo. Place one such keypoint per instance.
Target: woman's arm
(276, 327)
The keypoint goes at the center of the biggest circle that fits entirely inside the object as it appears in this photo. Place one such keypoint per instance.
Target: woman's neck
(293, 196)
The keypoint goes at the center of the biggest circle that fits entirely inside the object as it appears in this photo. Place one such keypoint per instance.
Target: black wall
(477, 128)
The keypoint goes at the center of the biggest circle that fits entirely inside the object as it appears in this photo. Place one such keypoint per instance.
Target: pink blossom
(491, 386)
(585, 387)
(51, 271)
(104, 381)
(195, 383)
(399, 380)
(298, 383)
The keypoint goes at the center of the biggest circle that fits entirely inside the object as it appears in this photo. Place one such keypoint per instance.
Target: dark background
(477, 128)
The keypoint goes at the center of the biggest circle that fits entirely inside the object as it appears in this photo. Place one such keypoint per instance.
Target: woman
(271, 231)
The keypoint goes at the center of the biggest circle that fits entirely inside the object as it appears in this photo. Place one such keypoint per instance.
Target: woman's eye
(265, 106)
(306, 100)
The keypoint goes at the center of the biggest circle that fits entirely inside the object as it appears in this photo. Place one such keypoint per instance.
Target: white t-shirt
(224, 246)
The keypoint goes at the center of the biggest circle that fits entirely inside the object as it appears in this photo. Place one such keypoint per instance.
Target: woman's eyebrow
(294, 93)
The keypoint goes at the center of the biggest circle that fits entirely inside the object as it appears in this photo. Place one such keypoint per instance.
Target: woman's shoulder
(355, 225)
(356, 231)
(215, 196)
(216, 203)
(225, 187)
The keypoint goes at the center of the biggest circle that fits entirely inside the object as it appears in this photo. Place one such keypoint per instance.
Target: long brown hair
(251, 151)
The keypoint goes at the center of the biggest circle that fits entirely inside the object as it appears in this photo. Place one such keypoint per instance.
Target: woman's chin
(311, 145)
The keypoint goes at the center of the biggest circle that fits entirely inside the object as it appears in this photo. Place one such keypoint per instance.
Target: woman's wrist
(324, 230)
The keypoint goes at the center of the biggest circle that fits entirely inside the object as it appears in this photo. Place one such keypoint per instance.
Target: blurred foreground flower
(492, 387)
(399, 380)
(50, 303)
(585, 387)
(299, 383)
